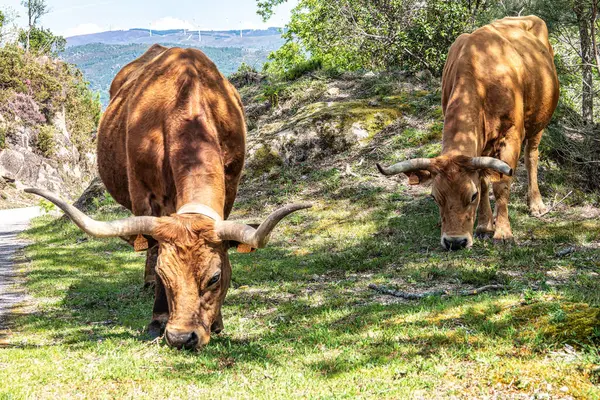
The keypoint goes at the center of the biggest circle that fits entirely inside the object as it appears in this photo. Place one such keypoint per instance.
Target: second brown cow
(499, 90)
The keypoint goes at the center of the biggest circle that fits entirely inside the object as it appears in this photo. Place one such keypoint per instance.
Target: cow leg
(160, 311)
(534, 198)
(151, 258)
(503, 232)
(485, 218)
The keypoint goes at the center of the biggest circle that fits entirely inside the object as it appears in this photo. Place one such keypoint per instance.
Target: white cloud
(167, 23)
(83, 29)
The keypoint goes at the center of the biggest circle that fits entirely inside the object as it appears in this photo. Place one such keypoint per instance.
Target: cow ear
(418, 177)
(245, 249)
(242, 247)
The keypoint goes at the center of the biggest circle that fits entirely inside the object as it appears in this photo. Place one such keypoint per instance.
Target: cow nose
(455, 243)
(182, 340)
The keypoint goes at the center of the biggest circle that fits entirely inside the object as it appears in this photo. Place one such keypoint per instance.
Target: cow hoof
(538, 210)
(484, 235)
(507, 241)
(149, 285)
(156, 329)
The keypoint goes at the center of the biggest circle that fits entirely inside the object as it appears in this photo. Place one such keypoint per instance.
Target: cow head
(456, 190)
(192, 263)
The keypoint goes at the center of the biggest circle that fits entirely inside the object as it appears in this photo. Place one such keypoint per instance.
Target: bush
(372, 35)
(245, 75)
(42, 41)
(3, 132)
(24, 107)
(46, 142)
(51, 85)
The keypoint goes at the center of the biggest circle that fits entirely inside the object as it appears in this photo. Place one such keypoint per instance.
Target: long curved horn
(492, 163)
(416, 164)
(259, 237)
(123, 227)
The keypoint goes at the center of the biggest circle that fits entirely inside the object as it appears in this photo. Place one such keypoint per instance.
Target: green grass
(300, 320)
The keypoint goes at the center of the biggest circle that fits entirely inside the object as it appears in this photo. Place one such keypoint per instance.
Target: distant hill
(100, 62)
(268, 39)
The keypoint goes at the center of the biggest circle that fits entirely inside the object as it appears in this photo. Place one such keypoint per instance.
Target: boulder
(95, 191)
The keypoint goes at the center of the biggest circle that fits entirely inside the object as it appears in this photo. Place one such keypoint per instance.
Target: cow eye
(433, 197)
(474, 197)
(214, 279)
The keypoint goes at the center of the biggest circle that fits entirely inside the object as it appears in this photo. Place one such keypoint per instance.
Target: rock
(565, 252)
(59, 120)
(333, 92)
(94, 191)
(424, 76)
(48, 178)
(11, 162)
(359, 132)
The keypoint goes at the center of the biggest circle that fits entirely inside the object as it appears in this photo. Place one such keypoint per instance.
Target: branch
(555, 205)
(420, 296)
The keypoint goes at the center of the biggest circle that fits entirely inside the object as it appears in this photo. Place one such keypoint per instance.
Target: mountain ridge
(261, 39)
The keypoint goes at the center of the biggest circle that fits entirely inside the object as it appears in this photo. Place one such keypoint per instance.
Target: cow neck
(197, 167)
(463, 131)
(199, 209)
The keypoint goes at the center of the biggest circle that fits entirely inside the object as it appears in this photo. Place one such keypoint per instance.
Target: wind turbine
(199, 30)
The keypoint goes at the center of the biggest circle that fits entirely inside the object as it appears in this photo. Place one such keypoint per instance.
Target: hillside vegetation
(48, 119)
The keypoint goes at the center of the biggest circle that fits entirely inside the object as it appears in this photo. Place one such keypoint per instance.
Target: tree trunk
(587, 61)
(29, 13)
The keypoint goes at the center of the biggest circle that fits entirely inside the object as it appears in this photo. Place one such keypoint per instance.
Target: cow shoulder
(128, 70)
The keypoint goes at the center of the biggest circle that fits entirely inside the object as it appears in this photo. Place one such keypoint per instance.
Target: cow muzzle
(453, 243)
(188, 340)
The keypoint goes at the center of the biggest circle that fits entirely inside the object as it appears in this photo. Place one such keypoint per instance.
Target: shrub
(245, 75)
(3, 132)
(374, 35)
(46, 142)
(24, 106)
(42, 41)
(52, 85)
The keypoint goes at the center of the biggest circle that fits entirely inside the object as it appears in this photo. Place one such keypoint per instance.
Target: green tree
(42, 41)
(36, 9)
(373, 34)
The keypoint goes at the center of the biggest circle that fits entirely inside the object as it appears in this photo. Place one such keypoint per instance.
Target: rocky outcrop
(65, 171)
(318, 130)
(95, 192)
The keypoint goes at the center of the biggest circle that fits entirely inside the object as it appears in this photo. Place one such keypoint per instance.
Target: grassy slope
(300, 320)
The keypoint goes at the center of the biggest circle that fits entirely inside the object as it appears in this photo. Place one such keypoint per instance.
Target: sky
(79, 17)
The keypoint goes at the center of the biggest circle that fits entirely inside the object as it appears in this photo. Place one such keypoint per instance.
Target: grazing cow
(499, 90)
(171, 148)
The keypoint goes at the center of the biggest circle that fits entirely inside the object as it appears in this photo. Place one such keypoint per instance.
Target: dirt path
(12, 222)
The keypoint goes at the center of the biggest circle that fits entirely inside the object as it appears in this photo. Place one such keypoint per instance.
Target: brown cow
(500, 89)
(171, 148)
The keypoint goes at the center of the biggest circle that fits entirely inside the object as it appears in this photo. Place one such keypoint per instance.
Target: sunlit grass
(299, 318)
